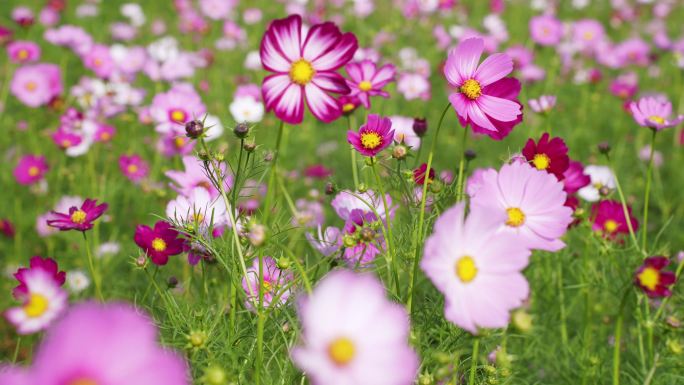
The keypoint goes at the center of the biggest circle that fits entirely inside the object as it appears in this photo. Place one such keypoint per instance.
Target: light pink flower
(36, 85)
(654, 113)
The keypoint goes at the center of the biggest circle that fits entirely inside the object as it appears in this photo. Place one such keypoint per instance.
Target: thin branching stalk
(461, 165)
(624, 206)
(354, 165)
(389, 238)
(274, 169)
(647, 193)
(618, 337)
(93, 271)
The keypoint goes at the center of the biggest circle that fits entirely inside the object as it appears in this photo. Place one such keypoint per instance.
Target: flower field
(341, 192)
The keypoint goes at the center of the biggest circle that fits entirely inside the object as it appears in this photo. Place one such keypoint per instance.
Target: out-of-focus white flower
(108, 249)
(214, 128)
(134, 13)
(77, 281)
(601, 176)
(246, 109)
(253, 61)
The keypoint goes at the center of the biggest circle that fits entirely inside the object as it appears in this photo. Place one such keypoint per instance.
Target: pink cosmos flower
(575, 178)
(654, 114)
(362, 240)
(198, 209)
(326, 242)
(99, 60)
(172, 109)
(404, 131)
(546, 30)
(372, 137)
(543, 105)
(37, 84)
(533, 202)
(22, 51)
(193, 176)
(304, 65)
(134, 167)
(276, 283)
(608, 218)
(351, 334)
(47, 265)
(23, 16)
(43, 301)
(414, 86)
(484, 98)
(159, 242)
(30, 169)
(588, 34)
(103, 344)
(80, 219)
(366, 80)
(477, 268)
(347, 201)
(652, 279)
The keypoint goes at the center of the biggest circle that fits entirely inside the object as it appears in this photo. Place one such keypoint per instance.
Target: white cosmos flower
(601, 176)
(246, 109)
(214, 128)
(77, 281)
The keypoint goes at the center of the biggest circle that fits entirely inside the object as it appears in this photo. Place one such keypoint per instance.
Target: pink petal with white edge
(500, 109)
(331, 82)
(322, 105)
(494, 68)
(287, 36)
(284, 98)
(338, 56)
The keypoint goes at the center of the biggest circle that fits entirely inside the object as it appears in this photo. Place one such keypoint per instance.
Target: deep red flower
(48, 265)
(318, 171)
(575, 178)
(159, 243)
(651, 278)
(609, 219)
(419, 174)
(80, 219)
(7, 228)
(548, 155)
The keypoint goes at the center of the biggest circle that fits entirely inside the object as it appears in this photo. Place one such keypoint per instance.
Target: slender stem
(274, 170)
(93, 272)
(355, 171)
(390, 239)
(418, 233)
(647, 192)
(15, 356)
(561, 299)
(236, 181)
(260, 324)
(618, 338)
(473, 361)
(459, 184)
(625, 210)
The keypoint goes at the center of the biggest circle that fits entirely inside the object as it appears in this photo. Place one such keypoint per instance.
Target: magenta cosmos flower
(366, 80)
(134, 167)
(372, 137)
(653, 113)
(533, 202)
(351, 334)
(478, 269)
(30, 169)
(160, 242)
(43, 300)
(103, 344)
(172, 109)
(276, 283)
(574, 177)
(47, 265)
(37, 84)
(546, 30)
(651, 278)
(609, 219)
(550, 155)
(484, 97)
(80, 219)
(304, 65)
(22, 51)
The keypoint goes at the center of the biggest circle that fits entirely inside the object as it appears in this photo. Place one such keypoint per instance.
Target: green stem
(647, 193)
(418, 233)
(260, 324)
(389, 240)
(93, 272)
(355, 171)
(461, 165)
(473, 360)
(274, 170)
(625, 210)
(618, 338)
(561, 299)
(15, 356)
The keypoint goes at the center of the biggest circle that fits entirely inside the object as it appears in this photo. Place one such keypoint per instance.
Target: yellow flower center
(179, 142)
(97, 62)
(657, 119)
(33, 171)
(341, 351)
(365, 86)
(199, 217)
(541, 161)
(370, 140)
(471, 89)
(158, 244)
(83, 381)
(516, 217)
(22, 54)
(78, 216)
(132, 168)
(348, 107)
(588, 35)
(36, 305)
(466, 269)
(178, 116)
(611, 226)
(66, 143)
(302, 72)
(649, 278)
(30, 86)
(105, 136)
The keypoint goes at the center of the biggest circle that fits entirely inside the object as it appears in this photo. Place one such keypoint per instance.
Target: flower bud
(214, 375)
(470, 154)
(399, 152)
(604, 148)
(249, 147)
(363, 188)
(420, 126)
(522, 320)
(194, 129)
(241, 130)
(172, 282)
(330, 188)
(283, 263)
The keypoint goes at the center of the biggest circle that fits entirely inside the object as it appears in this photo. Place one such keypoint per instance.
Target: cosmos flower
(543, 104)
(80, 219)
(346, 201)
(477, 268)
(609, 219)
(193, 176)
(30, 169)
(276, 283)
(574, 177)
(351, 334)
(304, 65)
(601, 178)
(6, 228)
(36, 85)
(546, 30)
(22, 51)
(366, 80)
(43, 302)
(404, 131)
(99, 60)
(160, 242)
(363, 239)
(654, 114)
(372, 137)
(104, 344)
(419, 174)
(197, 209)
(414, 86)
(550, 155)
(326, 242)
(483, 97)
(533, 202)
(651, 278)
(134, 167)
(246, 109)
(47, 265)
(172, 109)
(588, 34)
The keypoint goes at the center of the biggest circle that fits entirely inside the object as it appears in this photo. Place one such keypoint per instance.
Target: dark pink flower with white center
(366, 80)
(22, 51)
(276, 281)
(42, 304)
(372, 137)
(484, 98)
(48, 265)
(305, 65)
(80, 219)
(172, 109)
(65, 139)
(575, 178)
(652, 279)
(546, 30)
(134, 167)
(160, 242)
(30, 169)
(654, 113)
(37, 84)
(609, 219)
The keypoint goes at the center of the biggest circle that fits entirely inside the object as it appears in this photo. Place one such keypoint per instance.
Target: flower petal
(284, 98)
(500, 109)
(495, 67)
(322, 106)
(337, 56)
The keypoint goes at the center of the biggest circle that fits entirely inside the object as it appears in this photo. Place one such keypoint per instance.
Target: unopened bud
(194, 129)
(283, 263)
(604, 147)
(241, 130)
(249, 147)
(470, 154)
(420, 126)
(363, 188)
(399, 152)
(329, 188)
(172, 282)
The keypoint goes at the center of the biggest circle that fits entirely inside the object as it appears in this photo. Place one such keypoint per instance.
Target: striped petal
(284, 98)
(322, 106)
(331, 82)
(282, 44)
(337, 56)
